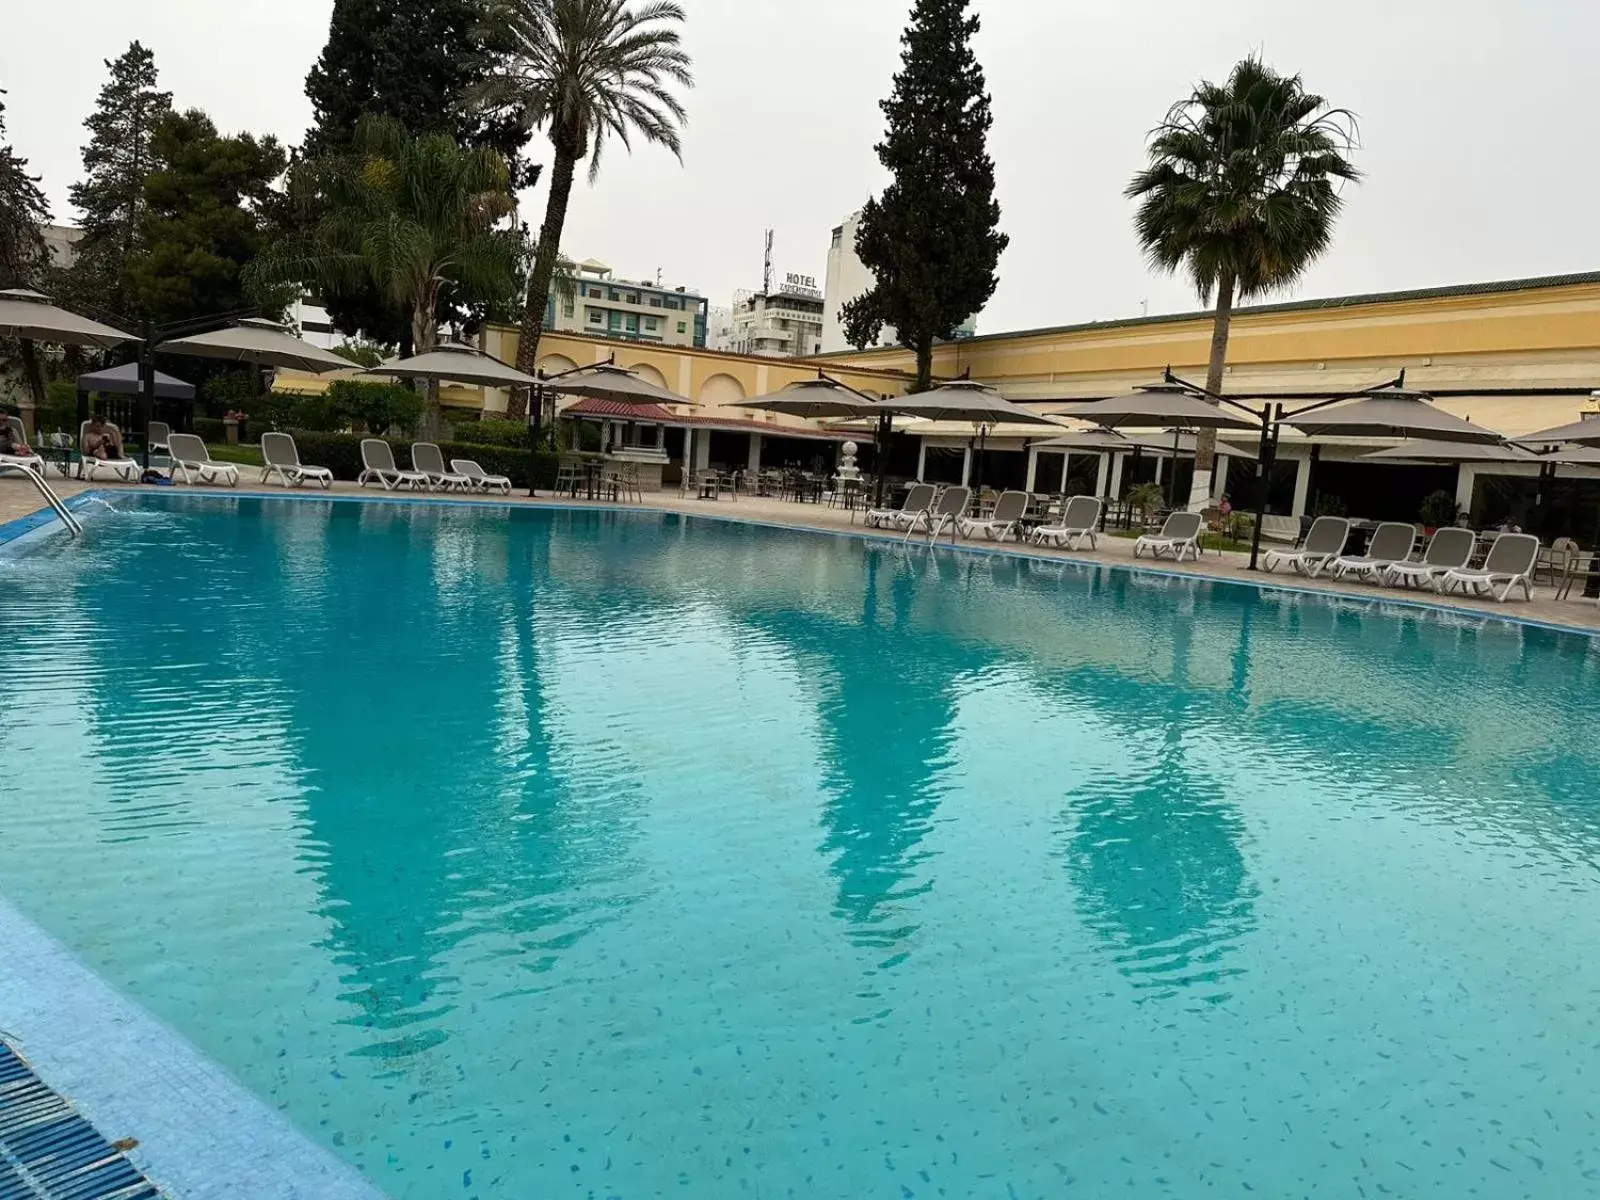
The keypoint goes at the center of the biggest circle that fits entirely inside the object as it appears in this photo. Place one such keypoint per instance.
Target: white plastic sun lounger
(1391, 544)
(1080, 519)
(377, 462)
(192, 460)
(1450, 550)
(125, 469)
(1180, 535)
(429, 459)
(919, 498)
(22, 462)
(477, 479)
(1509, 564)
(1323, 544)
(282, 458)
(1001, 523)
(949, 508)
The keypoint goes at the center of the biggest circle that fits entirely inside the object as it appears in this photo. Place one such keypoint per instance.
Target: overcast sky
(1476, 119)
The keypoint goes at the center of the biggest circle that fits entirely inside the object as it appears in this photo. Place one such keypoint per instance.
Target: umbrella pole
(1266, 457)
(147, 393)
(1172, 475)
(880, 441)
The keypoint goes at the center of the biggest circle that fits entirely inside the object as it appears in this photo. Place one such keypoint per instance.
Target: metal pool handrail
(49, 493)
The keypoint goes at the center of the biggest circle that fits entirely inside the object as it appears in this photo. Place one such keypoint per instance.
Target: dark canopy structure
(124, 381)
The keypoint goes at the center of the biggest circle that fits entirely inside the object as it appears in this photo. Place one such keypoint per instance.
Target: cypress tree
(23, 211)
(932, 239)
(111, 194)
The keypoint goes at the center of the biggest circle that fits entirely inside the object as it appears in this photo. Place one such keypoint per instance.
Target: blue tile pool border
(43, 523)
(201, 1135)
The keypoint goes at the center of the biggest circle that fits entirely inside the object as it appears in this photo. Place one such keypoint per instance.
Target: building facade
(847, 278)
(603, 305)
(783, 323)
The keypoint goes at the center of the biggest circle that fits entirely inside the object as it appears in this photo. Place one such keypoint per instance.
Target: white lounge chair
(1390, 544)
(1509, 564)
(919, 498)
(89, 466)
(1180, 535)
(1449, 550)
(999, 524)
(192, 460)
(477, 479)
(1080, 519)
(21, 462)
(429, 459)
(1324, 543)
(282, 458)
(158, 436)
(949, 508)
(377, 463)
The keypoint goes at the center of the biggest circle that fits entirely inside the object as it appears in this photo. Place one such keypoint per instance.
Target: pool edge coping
(41, 523)
(202, 1135)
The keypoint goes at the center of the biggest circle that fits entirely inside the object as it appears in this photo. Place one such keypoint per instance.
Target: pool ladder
(49, 494)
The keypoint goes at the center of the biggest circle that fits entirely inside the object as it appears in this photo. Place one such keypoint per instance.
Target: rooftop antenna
(658, 276)
(766, 268)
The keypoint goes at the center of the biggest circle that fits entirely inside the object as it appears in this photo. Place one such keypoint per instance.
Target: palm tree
(422, 217)
(1242, 189)
(584, 70)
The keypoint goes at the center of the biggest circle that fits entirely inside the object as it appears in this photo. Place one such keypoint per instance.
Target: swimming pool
(576, 853)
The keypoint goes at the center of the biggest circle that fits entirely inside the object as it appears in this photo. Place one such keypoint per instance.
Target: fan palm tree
(584, 70)
(421, 217)
(1242, 190)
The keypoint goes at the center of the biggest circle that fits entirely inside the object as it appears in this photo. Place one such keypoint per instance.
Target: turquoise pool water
(596, 854)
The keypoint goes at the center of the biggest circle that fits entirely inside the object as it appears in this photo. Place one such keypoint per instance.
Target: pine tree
(111, 194)
(203, 218)
(414, 62)
(23, 255)
(932, 239)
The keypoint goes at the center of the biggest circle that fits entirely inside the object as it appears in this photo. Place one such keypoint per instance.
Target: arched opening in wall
(554, 364)
(649, 374)
(721, 389)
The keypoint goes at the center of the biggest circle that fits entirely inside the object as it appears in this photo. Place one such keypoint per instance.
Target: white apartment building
(848, 278)
(635, 311)
(783, 323)
(719, 328)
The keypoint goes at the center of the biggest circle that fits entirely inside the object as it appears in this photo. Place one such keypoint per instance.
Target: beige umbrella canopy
(1158, 406)
(462, 364)
(1391, 412)
(606, 382)
(1583, 432)
(26, 314)
(816, 399)
(1453, 452)
(965, 400)
(253, 340)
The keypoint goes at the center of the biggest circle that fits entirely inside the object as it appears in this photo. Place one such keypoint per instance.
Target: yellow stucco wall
(1535, 334)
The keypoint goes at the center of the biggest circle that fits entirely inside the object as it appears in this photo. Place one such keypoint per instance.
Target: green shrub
(341, 454)
(233, 391)
(272, 412)
(1438, 510)
(209, 428)
(375, 407)
(492, 433)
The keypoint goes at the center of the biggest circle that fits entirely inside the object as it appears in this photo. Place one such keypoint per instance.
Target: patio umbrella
(463, 364)
(124, 381)
(1390, 412)
(1158, 406)
(30, 316)
(1583, 432)
(1454, 452)
(263, 343)
(816, 399)
(606, 382)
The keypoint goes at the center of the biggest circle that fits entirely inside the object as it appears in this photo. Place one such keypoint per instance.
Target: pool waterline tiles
(580, 851)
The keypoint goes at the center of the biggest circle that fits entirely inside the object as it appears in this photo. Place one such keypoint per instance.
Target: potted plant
(1144, 498)
(1438, 509)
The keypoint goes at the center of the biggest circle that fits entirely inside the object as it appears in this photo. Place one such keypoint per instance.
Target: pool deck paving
(18, 499)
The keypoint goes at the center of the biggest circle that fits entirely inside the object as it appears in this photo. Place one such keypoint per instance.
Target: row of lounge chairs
(427, 472)
(928, 510)
(1508, 565)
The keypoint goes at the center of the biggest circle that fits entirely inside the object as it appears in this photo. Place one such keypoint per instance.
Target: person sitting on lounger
(10, 441)
(102, 440)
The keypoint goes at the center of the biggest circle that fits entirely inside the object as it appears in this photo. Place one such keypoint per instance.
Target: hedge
(341, 454)
(209, 428)
(493, 433)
